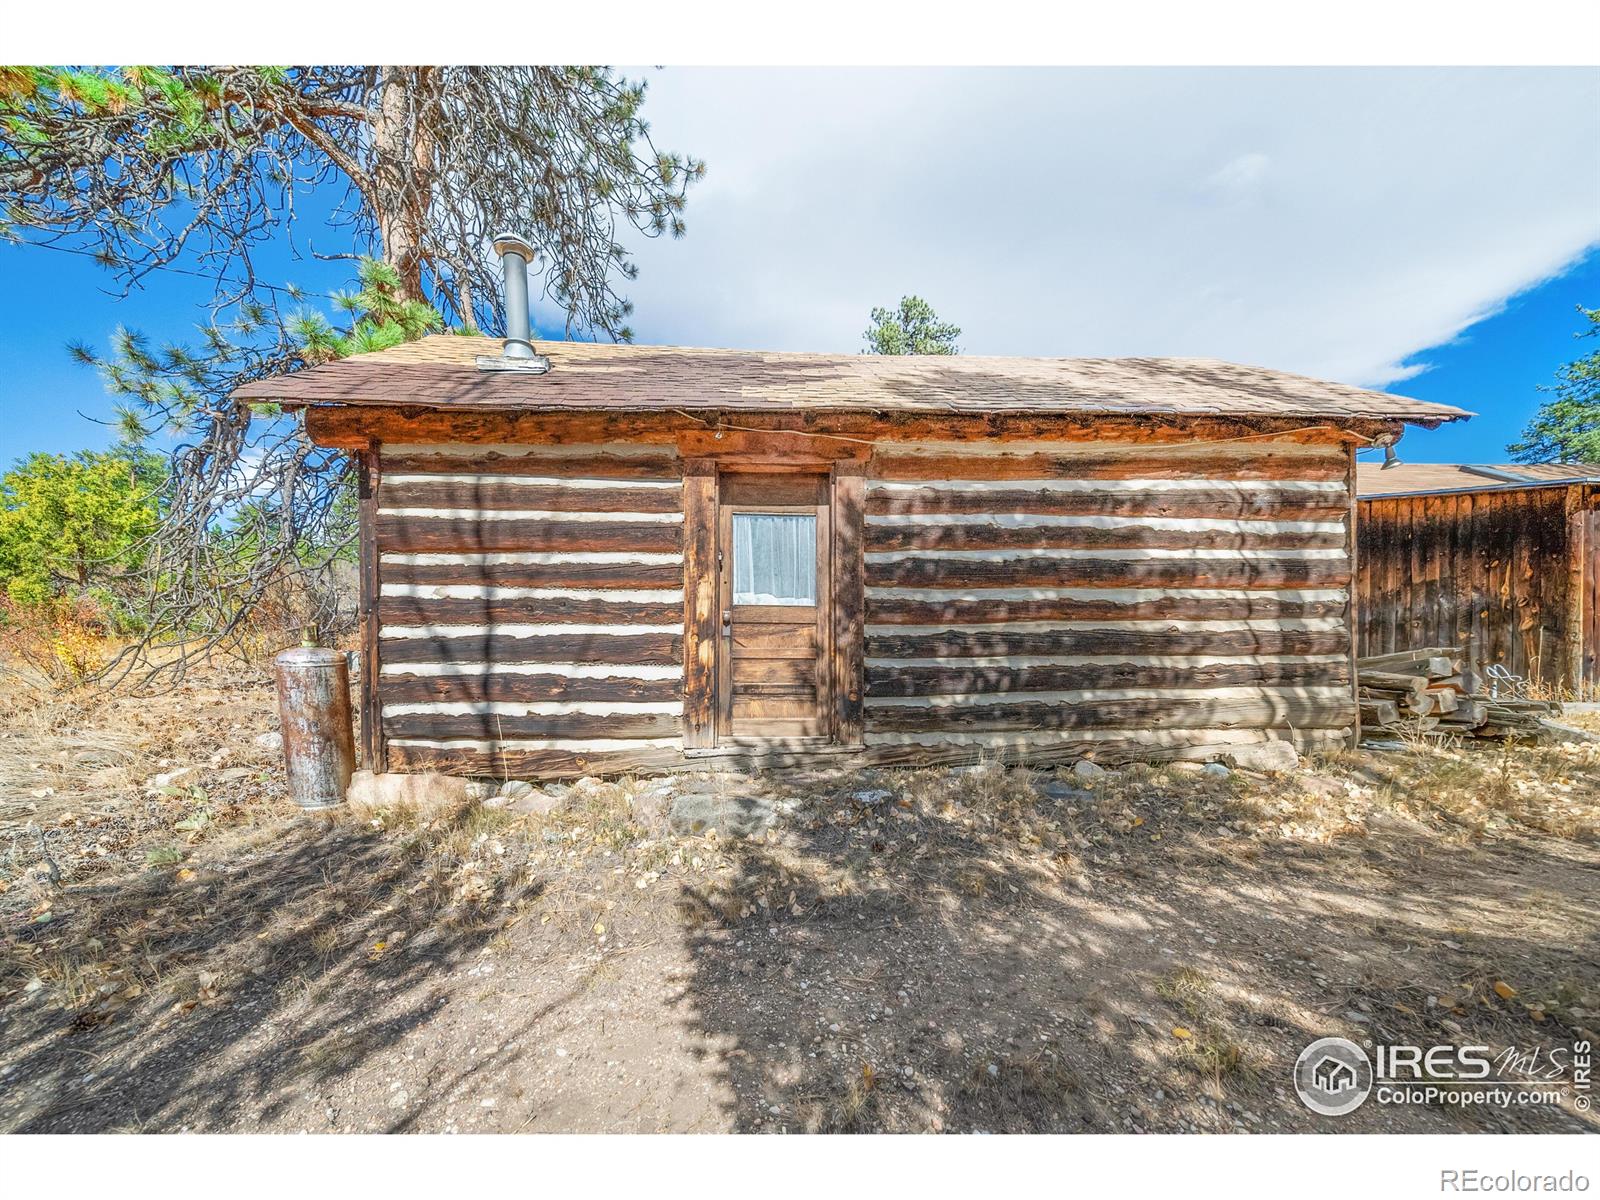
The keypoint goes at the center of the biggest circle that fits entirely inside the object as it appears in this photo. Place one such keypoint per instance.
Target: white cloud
(1239, 181)
(1335, 222)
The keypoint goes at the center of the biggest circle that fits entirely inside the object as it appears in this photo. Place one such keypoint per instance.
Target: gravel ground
(971, 950)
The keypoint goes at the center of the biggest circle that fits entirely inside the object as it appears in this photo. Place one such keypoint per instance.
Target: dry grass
(142, 924)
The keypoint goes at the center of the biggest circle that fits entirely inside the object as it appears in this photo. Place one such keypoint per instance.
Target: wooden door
(775, 608)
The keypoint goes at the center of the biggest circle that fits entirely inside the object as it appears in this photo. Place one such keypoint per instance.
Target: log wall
(1506, 576)
(531, 608)
(1106, 599)
(1035, 598)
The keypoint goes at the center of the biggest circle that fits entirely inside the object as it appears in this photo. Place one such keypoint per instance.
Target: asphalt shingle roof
(1373, 479)
(441, 372)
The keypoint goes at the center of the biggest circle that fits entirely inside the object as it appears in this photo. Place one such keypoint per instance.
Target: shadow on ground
(945, 967)
(297, 953)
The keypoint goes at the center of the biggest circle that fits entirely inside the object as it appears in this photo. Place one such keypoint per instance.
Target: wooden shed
(649, 557)
(1499, 561)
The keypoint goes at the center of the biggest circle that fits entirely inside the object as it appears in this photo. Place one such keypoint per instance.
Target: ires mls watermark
(1334, 1076)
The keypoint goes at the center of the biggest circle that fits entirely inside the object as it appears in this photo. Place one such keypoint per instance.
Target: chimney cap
(513, 243)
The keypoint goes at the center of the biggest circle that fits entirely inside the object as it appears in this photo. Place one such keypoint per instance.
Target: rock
(1060, 789)
(496, 802)
(271, 740)
(168, 778)
(977, 768)
(1215, 771)
(1270, 757)
(1321, 786)
(1555, 731)
(478, 790)
(426, 792)
(516, 789)
(1086, 770)
(534, 803)
(872, 797)
(649, 804)
(235, 773)
(730, 813)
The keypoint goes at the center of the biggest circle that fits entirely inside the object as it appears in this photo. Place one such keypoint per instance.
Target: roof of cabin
(441, 372)
(1374, 479)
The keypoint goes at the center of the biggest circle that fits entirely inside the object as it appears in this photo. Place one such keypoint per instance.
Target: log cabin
(599, 558)
(1500, 562)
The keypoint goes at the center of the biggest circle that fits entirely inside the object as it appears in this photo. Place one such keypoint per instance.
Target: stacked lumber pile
(1424, 691)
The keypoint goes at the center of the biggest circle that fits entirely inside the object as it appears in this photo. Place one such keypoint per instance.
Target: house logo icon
(1333, 1076)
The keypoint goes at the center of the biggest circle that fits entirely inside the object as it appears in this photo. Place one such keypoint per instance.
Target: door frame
(822, 509)
(708, 453)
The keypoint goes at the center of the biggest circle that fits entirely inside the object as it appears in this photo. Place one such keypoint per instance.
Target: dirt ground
(961, 950)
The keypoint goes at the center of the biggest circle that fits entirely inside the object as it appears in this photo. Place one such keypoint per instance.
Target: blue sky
(1426, 231)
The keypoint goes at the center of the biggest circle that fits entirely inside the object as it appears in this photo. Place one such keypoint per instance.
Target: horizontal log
(447, 492)
(398, 424)
(934, 536)
(520, 688)
(622, 648)
(1264, 464)
(1164, 712)
(1388, 662)
(1108, 572)
(497, 726)
(1234, 504)
(1467, 712)
(1414, 685)
(1439, 666)
(889, 609)
(1379, 712)
(956, 679)
(1003, 643)
(510, 762)
(423, 610)
(1443, 700)
(405, 534)
(580, 466)
(1102, 746)
(537, 575)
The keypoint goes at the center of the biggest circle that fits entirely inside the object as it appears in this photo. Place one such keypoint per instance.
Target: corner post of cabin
(1578, 583)
(848, 506)
(369, 477)
(1351, 617)
(700, 578)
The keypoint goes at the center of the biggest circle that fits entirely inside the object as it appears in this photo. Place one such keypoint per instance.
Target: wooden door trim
(700, 632)
(847, 509)
(726, 735)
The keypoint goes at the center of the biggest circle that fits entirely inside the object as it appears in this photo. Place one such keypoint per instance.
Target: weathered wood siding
(1500, 574)
(1122, 601)
(531, 608)
(1033, 598)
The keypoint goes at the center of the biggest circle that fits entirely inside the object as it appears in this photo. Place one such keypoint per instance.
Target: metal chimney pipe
(515, 255)
(518, 354)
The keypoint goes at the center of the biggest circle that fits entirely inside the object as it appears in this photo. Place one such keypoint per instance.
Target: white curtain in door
(774, 558)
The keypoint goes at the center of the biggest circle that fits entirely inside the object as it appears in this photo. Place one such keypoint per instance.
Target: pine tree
(1567, 427)
(912, 328)
(155, 166)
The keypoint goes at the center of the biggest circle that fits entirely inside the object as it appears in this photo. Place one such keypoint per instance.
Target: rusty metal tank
(314, 710)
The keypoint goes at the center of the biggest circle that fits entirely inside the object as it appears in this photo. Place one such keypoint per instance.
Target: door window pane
(774, 558)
